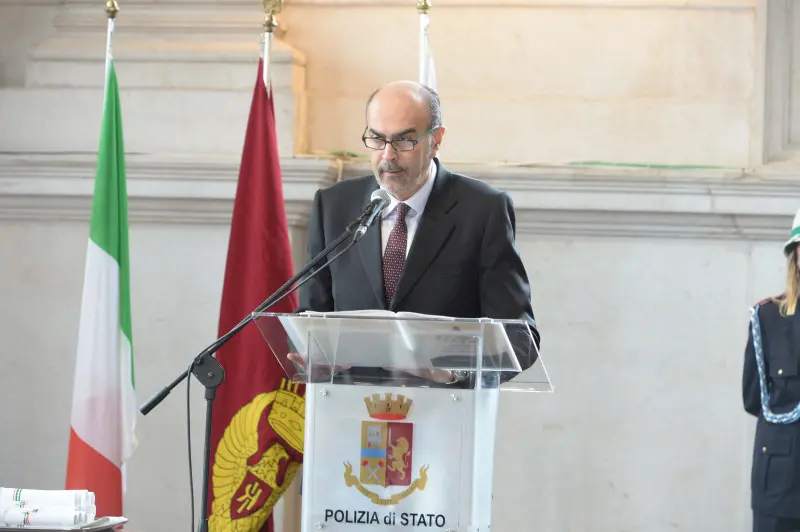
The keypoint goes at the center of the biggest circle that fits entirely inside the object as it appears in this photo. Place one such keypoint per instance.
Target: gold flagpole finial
(271, 8)
(423, 6)
(112, 8)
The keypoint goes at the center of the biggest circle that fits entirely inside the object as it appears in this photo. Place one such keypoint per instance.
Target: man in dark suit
(445, 244)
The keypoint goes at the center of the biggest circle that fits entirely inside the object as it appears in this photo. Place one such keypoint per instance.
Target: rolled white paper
(44, 517)
(16, 498)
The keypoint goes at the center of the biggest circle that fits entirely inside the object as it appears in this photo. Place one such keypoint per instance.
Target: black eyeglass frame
(384, 142)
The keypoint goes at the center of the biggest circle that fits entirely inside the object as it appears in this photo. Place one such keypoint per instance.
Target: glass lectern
(400, 413)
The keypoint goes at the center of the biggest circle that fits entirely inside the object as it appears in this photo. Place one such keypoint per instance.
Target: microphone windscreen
(383, 195)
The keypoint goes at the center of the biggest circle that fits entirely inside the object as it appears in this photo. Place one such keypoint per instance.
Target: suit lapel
(371, 257)
(434, 228)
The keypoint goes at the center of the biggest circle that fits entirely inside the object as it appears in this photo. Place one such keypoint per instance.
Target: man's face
(396, 116)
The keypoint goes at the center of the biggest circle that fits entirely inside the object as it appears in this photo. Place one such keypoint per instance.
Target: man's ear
(438, 135)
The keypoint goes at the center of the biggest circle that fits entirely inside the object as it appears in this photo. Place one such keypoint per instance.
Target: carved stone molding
(159, 191)
(779, 27)
(557, 201)
(177, 64)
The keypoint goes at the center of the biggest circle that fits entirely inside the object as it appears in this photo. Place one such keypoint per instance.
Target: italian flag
(103, 405)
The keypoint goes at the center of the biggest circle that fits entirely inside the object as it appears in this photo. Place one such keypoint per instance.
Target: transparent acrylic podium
(400, 414)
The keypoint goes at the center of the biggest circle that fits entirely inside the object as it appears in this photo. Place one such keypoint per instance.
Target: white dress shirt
(416, 204)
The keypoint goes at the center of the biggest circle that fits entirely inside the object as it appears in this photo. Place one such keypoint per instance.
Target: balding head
(411, 93)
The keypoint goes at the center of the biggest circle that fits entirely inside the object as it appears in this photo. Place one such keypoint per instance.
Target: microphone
(379, 200)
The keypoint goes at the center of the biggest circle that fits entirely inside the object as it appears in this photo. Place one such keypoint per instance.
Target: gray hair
(432, 101)
(434, 106)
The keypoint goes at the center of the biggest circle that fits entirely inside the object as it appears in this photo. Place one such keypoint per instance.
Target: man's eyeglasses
(377, 143)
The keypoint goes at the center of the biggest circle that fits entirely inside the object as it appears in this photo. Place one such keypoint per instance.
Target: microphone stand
(208, 371)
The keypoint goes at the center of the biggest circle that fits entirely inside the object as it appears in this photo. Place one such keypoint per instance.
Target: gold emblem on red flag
(386, 451)
(252, 470)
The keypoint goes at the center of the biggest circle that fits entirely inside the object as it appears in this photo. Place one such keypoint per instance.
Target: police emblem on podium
(387, 460)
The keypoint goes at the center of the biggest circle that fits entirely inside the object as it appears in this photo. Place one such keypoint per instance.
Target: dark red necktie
(394, 257)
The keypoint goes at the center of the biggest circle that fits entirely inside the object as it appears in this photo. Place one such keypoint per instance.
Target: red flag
(256, 434)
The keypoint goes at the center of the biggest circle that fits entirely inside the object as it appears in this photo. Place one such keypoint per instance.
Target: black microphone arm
(269, 302)
(207, 369)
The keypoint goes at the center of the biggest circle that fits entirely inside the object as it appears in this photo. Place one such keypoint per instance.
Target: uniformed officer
(771, 392)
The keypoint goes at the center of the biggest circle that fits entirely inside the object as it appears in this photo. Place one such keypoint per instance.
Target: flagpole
(101, 445)
(112, 8)
(423, 7)
(271, 8)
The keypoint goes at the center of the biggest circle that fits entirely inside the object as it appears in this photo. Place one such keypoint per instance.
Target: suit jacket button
(780, 372)
(764, 449)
